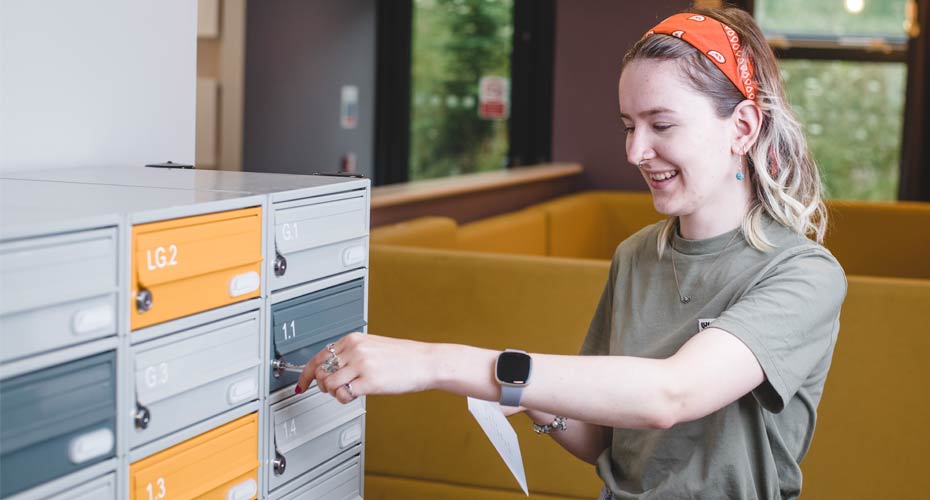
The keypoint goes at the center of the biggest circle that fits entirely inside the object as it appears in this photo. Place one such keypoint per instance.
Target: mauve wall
(590, 40)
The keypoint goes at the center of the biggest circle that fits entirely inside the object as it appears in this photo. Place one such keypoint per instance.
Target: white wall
(96, 82)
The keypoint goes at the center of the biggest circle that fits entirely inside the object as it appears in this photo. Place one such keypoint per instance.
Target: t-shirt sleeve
(597, 341)
(789, 320)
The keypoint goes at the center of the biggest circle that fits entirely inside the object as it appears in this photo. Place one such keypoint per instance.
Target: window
(844, 63)
(460, 82)
(462, 86)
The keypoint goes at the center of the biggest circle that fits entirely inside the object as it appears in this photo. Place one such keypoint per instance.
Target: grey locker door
(56, 421)
(342, 482)
(302, 326)
(311, 431)
(57, 291)
(193, 375)
(319, 236)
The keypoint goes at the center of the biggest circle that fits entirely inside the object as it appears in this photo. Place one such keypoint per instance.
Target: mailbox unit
(159, 295)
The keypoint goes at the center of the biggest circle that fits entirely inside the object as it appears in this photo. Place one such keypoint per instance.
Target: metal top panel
(281, 187)
(34, 208)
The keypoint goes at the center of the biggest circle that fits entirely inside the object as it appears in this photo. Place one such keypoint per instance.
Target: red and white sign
(494, 98)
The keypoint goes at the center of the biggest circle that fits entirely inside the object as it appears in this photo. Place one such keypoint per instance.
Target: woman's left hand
(369, 364)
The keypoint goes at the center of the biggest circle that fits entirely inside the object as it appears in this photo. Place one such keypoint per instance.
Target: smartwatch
(512, 372)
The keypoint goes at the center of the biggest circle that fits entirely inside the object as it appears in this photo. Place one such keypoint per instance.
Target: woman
(707, 355)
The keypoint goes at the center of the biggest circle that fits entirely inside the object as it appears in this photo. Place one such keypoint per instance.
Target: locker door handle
(243, 491)
(93, 319)
(91, 445)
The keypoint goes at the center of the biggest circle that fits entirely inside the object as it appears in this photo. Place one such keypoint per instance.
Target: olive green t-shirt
(783, 304)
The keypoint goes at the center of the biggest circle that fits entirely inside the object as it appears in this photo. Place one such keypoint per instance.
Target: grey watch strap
(510, 396)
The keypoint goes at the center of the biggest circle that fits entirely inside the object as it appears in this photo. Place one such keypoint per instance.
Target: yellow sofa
(871, 440)
(868, 238)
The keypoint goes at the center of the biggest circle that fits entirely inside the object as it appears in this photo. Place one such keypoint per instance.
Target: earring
(739, 173)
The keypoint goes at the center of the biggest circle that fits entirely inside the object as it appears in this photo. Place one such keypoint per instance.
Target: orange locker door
(185, 266)
(218, 464)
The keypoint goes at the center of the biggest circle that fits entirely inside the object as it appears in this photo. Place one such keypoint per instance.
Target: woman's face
(685, 148)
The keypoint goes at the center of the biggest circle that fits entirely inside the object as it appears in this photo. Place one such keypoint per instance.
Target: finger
(347, 392)
(310, 371)
(336, 380)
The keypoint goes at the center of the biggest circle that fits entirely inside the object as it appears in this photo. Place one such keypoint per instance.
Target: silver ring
(331, 364)
(331, 348)
(348, 387)
(640, 164)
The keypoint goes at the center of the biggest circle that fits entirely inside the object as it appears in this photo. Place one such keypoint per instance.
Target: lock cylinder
(143, 300)
(278, 366)
(142, 417)
(279, 464)
(280, 265)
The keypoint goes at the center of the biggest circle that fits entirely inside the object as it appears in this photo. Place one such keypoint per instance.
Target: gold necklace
(687, 298)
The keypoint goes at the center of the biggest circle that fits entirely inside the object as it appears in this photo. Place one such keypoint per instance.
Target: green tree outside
(852, 112)
(455, 43)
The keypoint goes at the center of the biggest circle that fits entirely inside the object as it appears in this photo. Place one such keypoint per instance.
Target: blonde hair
(792, 196)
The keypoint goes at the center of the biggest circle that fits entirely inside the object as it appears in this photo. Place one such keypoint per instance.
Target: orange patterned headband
(716, 41)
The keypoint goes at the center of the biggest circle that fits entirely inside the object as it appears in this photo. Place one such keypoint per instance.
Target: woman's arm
(711, 370)
(581, 439)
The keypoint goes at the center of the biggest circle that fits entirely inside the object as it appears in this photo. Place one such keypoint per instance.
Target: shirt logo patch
(704, 323)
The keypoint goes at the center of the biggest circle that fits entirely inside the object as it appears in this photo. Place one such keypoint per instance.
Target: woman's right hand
(370, 364)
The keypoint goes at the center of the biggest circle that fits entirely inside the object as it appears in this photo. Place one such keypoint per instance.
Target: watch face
(513, 367)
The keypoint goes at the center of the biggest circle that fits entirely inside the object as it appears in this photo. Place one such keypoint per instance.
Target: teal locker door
(301, 327)
(56, 421)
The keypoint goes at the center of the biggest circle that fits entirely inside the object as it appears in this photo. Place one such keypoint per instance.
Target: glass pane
(853, 114)
(832, 18)
(455, 44)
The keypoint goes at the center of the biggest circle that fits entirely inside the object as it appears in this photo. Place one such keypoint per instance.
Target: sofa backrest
(426, 232)
(522, 232)
(576, 226)
(880, 239)
(873, 438)
(868, 238)
(590, 225)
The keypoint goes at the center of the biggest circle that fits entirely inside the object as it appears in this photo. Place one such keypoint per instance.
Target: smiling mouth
(662, 176)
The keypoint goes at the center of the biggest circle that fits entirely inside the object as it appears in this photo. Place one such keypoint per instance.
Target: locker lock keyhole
(143, 300)
(280, 265)
(280, 464)
(277, 366)
(142, 417)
